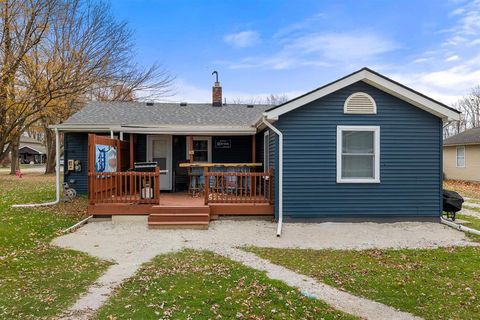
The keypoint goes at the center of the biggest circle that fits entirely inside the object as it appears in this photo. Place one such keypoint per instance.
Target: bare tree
(22, 26)
(85, 53)
(272, 99)
(469, 105)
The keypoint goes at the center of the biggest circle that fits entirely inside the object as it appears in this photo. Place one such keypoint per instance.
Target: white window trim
(365, 94)
(266, 150)
(464, 157)
(200, 138)
(376, 130)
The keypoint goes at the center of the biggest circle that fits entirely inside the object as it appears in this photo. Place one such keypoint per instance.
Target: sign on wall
(105, 158)
(223, 144)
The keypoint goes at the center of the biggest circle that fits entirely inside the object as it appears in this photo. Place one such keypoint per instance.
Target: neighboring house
(461, 156)
(363, 146)
(31, 151)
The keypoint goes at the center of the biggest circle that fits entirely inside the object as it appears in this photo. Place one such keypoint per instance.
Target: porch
(221, 191)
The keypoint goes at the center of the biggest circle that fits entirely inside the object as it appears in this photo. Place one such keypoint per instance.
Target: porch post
(190, 148)
(254, 149)
(130, 140)
(206, 181)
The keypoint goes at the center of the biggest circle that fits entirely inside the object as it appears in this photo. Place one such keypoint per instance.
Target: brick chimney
(216, 92)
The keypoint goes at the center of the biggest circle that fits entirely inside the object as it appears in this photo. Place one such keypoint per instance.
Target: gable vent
(360, 103)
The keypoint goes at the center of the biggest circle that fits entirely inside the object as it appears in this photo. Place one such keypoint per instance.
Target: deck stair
(172, 217)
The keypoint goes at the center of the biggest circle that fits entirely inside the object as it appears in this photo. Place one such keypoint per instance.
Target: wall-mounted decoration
(105, 158)
(223, 144)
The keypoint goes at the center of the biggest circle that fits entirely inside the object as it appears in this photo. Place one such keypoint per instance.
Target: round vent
(360, 103)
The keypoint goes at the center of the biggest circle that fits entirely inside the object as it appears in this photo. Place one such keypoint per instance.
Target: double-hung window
(358, 154)
(460, 156)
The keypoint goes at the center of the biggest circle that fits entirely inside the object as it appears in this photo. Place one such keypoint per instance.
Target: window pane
(357, 166)
(460, 162)
(200, 145)
(460, 152)
(200, 156)
(357, 141)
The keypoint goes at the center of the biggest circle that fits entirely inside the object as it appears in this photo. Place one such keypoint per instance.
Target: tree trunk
(51, 148)
(14, 164)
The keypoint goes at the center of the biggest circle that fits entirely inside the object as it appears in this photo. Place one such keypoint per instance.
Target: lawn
(464, 188)
(36, 279)
(473, 223)
(434, 284)
(202, 285)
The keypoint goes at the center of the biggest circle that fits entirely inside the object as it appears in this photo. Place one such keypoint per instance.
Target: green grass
(36, 279)
(202, 285)
(435, 284)
(474, 223)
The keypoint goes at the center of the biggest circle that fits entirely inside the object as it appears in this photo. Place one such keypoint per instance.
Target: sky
(290, 47)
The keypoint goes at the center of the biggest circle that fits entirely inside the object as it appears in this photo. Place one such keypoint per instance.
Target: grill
(144, 166)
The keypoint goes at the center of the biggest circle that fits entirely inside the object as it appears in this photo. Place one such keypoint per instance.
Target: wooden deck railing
(124, 187)
(238, 187)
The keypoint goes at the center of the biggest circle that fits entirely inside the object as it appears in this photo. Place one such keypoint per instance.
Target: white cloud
(322, 49)
(420, 60)
(343, 46)
(242, 39)
(452, 58)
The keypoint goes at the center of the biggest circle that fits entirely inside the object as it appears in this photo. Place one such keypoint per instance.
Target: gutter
(57, 178)
(145, 129)
(280, 173)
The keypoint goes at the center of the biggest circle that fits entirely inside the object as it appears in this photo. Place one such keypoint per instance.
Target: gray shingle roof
(470, 136)
(195, 114)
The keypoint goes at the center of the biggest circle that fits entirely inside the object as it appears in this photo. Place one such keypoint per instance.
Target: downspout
(459, 226)
(57, 178)
(280, 174)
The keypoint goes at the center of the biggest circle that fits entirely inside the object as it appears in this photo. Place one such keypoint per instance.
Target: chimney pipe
(216, 92)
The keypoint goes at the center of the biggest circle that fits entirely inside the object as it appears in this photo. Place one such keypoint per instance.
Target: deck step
(179, 209)
(179, 217)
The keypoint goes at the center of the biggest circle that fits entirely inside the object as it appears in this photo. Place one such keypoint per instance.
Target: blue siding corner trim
(410, 159)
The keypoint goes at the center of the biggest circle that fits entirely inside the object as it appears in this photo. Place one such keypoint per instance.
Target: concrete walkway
(130, 244)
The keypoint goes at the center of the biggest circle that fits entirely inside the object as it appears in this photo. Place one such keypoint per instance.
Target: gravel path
(131, 244)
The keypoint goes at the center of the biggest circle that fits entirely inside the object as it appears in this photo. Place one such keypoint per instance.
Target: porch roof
(168, 117)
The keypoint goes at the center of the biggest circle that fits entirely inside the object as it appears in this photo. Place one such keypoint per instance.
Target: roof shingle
(470, 136)
(193, 114)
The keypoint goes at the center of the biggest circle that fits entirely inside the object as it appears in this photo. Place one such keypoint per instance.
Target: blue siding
(410, 159)
(76, 148)
(240, 151)
(141, 148)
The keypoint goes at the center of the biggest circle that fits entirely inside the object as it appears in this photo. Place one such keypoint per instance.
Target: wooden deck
(177, 210)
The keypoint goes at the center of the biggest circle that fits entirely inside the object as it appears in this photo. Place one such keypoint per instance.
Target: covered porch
(187, 187)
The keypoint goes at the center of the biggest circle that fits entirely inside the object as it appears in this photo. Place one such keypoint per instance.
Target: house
(31, 151)
(363, 146)
(461, 156)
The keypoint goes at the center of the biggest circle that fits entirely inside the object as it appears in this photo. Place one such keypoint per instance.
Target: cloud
(242, 39)
(452, 58)
(321, 50)
(420, 60)
(467, 25)
(359, 45)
